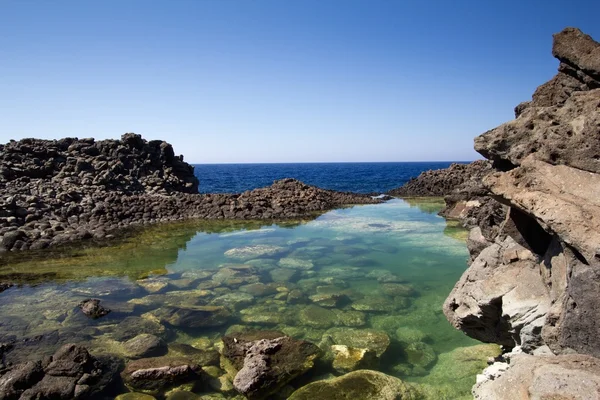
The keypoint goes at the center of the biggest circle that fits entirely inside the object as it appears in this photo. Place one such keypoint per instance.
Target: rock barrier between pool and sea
(59, 191)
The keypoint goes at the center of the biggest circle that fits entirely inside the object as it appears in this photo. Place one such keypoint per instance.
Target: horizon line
(333, 162)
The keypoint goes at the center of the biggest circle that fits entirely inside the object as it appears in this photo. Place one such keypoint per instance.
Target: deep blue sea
(354, 177)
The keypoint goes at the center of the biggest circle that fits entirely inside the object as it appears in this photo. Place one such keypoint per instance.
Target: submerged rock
(258, 251)
(159, 373)
(267, 361)
(420, 354)
(296, 263)
(362, 384)
(348, 359)
(194, 316)
(145, 345)
(134, 396)
(317, 317)
(131, 327)
(93, 309)
(408, 335)
(369, 339)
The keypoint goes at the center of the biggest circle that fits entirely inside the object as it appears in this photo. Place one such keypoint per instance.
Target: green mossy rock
(358, 385)
(194, 316)
(420, 354)
(407, 335)
(135, 396)
(369, 339)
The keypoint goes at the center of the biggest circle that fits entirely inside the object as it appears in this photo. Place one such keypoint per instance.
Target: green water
(389, 267)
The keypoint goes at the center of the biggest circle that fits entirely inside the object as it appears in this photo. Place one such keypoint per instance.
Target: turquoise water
(375, 268)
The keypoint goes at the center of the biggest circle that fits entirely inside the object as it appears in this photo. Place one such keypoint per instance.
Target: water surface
(385, 267)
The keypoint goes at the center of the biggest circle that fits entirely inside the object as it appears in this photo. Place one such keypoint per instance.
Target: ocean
(364, 177)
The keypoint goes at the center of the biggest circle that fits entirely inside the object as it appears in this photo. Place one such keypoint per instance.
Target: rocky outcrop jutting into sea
(53, 192)
(534, 286)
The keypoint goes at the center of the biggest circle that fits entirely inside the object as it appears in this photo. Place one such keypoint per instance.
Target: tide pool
(373, 276)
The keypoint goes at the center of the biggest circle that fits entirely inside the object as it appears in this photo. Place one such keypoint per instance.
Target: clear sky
(281, 80)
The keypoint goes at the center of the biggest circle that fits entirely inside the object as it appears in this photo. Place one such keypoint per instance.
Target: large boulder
(266, 361)
(501, 298)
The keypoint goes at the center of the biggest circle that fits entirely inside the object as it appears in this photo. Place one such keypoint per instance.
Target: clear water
(351, 251)
(354, 177)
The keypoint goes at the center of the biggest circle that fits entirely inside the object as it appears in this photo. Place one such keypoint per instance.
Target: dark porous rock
(71, 373)
(56, 192)
(533, 278)
(19, 378)
(93, 309)
(267, 360)
(160, 373)
(442, 182)
(560, 124)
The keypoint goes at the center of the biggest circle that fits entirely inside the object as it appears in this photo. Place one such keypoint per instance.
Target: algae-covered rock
(264, 314)
(397, 289)
(329, 300)
(258, 289)
(350, 318)
(234, 300)
(348, 359)
(257, 251)
(184, 395)
(316, 317)
(235, 274)
(153, 285)
(194, 316)
(130, 327)
(200, 357)
(408, 335)
(357, 385)
(369, 339)
(145, 345)
(462, 364)
(296, 296)
(267, 360)
(134, 396)
(296, 263)
(420, 354)
(284, 275)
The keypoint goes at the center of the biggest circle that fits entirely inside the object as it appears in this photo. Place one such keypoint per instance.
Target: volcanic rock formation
(53, 192)
(533, 282)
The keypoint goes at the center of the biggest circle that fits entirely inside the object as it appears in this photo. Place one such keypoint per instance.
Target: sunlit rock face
(532, 286)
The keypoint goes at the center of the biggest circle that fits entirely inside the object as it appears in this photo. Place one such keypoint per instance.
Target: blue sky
(278, 81)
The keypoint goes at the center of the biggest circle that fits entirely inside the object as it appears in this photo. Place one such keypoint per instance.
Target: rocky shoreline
(55, 192)
(533, 278)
